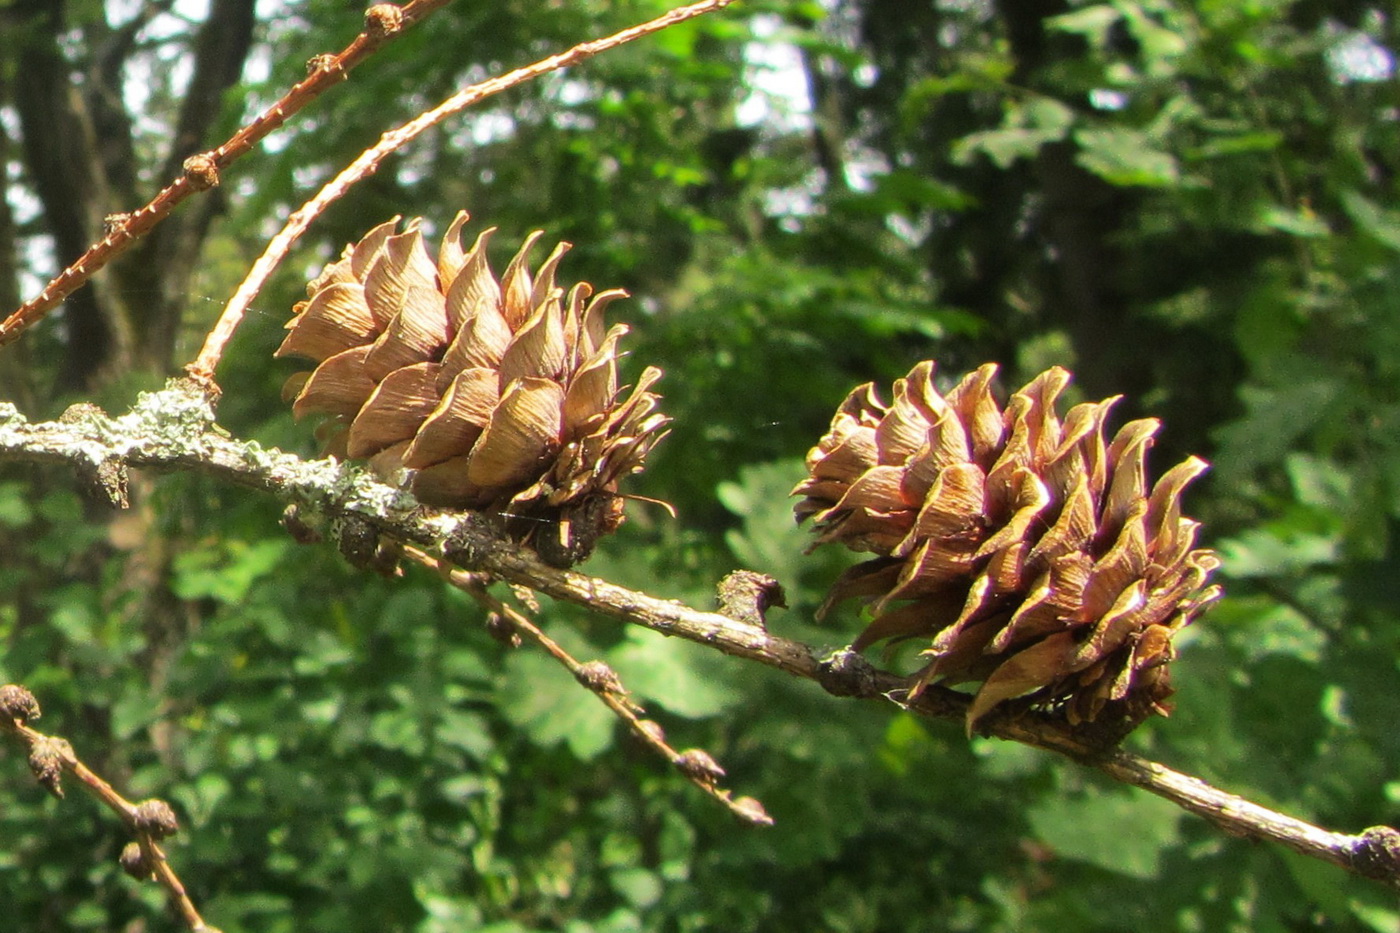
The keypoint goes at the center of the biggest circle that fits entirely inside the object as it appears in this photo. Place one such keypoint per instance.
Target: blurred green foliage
(1192, 203)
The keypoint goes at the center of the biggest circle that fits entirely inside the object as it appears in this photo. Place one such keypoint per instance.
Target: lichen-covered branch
(174, 429)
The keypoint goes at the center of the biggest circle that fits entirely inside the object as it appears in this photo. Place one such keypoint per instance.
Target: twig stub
(746, 596)
(1377, 854)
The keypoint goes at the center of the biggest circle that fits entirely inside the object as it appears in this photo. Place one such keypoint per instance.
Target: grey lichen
(176, 426)
(173, 420)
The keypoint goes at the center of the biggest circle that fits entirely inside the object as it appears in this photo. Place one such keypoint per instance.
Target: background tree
(1190, 203)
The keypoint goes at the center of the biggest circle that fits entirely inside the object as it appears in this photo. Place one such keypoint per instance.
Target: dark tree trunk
(80, 157)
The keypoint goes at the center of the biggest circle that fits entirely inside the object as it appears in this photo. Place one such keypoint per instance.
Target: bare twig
(174, 429)
(201, 172)
(368, 161)
(695, 765)
(150, 821)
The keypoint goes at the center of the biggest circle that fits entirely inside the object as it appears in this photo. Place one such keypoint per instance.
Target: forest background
(1193, 204)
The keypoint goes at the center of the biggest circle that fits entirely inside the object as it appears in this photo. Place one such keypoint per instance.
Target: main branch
(174, 430)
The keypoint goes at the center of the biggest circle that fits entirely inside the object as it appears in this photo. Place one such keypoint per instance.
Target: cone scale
(1026, 548)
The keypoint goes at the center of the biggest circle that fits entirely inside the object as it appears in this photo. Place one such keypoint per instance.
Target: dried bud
(383, 20)
(301, 531)
(319, 62)
(18, 704)
(46, 759)
(1376, 853)
(134, 862)
(598, 677)
(699, 766)
(502, 630)
(114, 223)
(752, 812)
(202, 171)
(478, 393)
(653, 730)
(1028, 548)
(156, 819)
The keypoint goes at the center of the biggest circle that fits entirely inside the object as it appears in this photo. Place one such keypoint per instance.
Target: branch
(150, 821)
(696, 765)
(201, 172)
(368, 161)
(174, 429)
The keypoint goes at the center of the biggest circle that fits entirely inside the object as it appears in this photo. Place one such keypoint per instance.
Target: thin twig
(174, 429)
(201, 172)
(368, 161)
(151, 820)
(695, 765)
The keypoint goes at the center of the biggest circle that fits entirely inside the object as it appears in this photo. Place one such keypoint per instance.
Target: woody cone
(499, 395)
(1027, 549)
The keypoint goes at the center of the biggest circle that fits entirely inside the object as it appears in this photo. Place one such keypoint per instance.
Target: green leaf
(1121, 830)
(1092, 22)
(1026, 128)
(542, 699)
(1380, 223)
(1125, 157)
(15, 509)
(679, 675)
(226, 569)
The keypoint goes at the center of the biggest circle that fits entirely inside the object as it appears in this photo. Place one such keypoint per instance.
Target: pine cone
(1031, 552)
(481, 394)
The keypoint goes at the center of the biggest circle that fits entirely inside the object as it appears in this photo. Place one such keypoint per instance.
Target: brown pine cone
(496, 395)
(1031, 552)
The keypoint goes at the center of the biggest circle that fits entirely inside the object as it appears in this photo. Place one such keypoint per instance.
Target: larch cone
(498, 395)
(1029, 550)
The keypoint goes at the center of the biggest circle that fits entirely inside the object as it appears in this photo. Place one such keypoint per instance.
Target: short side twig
(201, 171)
(696, 765)
(50, 757)
(202, 369)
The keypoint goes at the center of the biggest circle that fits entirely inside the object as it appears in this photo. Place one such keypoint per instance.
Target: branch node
(1376, 854)
(115, 223)
(468, 545)
(18, 705)
(745, 596)
(365, 549)
(845, 673)
(323, 62)
(201, 171)
(382, 21)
